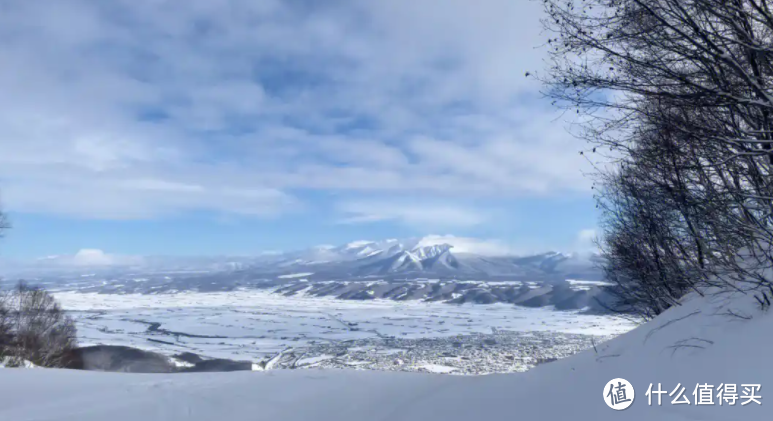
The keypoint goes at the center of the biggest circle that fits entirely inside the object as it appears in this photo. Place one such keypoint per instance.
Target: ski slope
(698, 342)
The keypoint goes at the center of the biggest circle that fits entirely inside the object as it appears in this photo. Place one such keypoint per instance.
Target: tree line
(674, 99)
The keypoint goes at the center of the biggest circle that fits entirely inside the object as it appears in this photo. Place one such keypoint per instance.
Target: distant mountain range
(433, 257)
(433, 268)
(442, 257)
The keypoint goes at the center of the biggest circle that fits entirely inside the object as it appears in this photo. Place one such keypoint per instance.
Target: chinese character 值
(619, 395)
(703, 394)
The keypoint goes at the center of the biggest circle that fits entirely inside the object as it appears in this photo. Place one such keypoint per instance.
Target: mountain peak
(427, 252)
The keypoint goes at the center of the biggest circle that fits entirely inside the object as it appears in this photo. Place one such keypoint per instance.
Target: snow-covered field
(257, 325)
(708, 340)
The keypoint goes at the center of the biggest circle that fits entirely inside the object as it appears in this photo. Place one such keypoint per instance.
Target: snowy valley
(716, 339)
(273, 331)
(435, 304)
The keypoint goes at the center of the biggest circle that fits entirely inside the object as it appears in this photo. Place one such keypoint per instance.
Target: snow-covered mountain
(434, 256)
(413, 248)
(433, 268)
(430, 257)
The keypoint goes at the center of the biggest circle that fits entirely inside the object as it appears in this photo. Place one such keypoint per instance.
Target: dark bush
(33, 327)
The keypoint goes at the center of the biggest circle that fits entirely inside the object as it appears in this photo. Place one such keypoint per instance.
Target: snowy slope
(721, 348)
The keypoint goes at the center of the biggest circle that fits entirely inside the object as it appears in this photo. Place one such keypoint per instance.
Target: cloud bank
(141, 109)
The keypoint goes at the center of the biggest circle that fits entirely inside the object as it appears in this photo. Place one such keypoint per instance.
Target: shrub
(33, 327)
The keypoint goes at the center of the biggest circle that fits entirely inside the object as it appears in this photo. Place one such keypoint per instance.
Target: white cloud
(418, 215)
(586, 240)
(116, 198)
(91, 257)
(88, 258)
(470, 245)
(138, 109)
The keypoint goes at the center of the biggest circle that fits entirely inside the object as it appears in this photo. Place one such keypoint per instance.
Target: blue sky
(235, 126)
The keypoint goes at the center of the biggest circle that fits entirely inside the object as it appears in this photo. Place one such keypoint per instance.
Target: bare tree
(33, 327)
(654, 250)
(5, 325)
(5, 319)
(678, 95)
(38, 330)
(4, 223)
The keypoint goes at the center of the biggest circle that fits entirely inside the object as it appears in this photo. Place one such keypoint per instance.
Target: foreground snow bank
(707, 340)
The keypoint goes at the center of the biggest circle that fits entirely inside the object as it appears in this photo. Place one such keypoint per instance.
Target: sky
(239, 126)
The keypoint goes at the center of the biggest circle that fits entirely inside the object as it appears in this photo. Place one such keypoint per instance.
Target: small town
(471, 354)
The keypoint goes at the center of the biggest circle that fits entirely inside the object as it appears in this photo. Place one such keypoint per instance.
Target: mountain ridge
(429, 256)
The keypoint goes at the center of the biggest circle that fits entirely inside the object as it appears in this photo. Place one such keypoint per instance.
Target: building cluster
(472, 354)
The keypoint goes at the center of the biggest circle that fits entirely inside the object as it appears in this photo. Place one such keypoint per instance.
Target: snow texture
(255, 325)
(698, 342)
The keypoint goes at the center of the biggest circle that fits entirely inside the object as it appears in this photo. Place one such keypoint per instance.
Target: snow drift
(714, 339)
